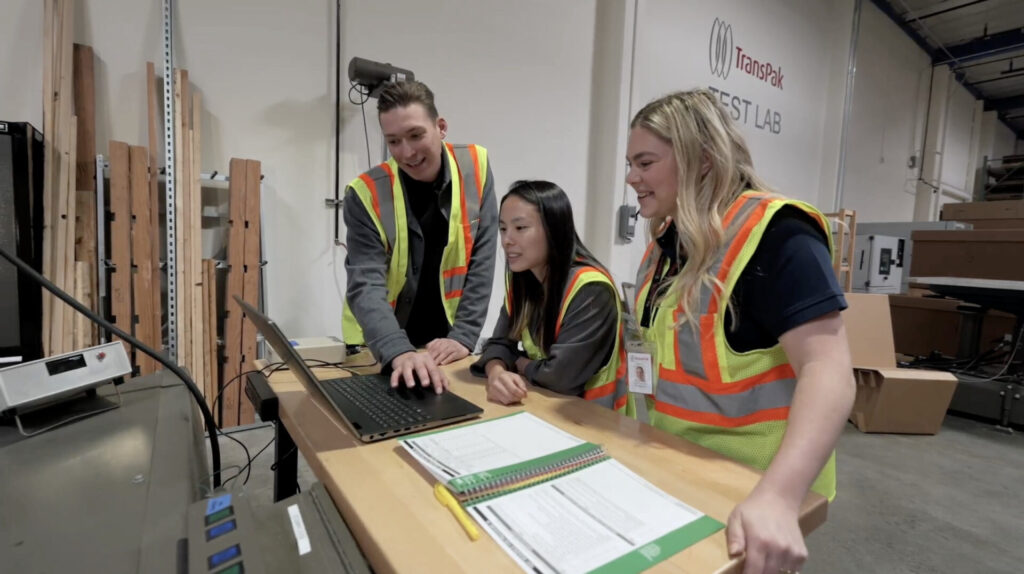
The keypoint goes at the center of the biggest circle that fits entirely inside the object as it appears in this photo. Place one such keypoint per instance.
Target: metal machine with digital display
(31, 386)
(229, 534)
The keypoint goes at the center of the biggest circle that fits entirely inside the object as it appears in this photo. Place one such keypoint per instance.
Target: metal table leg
(286, 464)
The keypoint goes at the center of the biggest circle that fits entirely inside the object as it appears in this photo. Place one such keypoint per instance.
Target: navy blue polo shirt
(789, 281)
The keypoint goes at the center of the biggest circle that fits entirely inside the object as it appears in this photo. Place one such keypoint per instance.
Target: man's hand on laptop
(445, 351)
(408, 367)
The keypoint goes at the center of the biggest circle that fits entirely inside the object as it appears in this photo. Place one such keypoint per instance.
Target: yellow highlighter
(446, 499)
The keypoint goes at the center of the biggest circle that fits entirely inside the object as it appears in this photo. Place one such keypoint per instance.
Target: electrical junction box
(878, 264)
(627, 222)
(326, 349)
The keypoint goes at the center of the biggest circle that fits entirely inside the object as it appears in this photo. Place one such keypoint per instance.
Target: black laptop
(367, 403)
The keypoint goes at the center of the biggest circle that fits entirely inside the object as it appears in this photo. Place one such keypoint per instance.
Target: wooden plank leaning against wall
(133, 215)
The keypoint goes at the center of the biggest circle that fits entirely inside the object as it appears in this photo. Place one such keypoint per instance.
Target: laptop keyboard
(377, 400)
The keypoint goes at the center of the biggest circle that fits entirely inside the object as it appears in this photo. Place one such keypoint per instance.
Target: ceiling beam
(1005, 104)
(999, 78)
(910, 16)
(939, 54)
(981, 47)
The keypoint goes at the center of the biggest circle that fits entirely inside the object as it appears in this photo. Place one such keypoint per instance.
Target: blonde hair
(713, 167)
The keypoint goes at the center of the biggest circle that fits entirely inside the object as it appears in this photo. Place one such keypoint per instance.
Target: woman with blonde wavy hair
(739, 305)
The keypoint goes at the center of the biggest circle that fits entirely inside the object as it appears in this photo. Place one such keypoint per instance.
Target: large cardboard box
(975, 253)
(890, 399)
(921, 325)
(1009, 209)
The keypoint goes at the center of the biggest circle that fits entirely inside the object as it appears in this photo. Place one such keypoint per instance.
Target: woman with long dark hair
(560, 305)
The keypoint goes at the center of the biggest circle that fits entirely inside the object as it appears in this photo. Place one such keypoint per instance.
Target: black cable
(248, 465)
(366, 137)
(274, 368)
(361, 102)
(211, 427)
(238, 377)
(244, 448)
(273, 467)
(366, 131)
(361, 90)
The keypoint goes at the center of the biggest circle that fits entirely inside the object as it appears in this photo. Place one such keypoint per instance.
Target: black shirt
(788, 281)
(427, 319)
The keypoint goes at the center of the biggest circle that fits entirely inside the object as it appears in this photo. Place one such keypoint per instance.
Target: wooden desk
(388, 502)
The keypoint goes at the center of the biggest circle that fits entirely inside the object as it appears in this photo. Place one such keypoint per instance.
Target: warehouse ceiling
(981, 40)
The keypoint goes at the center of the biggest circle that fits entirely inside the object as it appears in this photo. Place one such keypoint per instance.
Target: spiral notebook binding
(521, 479)
(514, 477)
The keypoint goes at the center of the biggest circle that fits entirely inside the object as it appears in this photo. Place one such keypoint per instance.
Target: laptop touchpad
(416, 393)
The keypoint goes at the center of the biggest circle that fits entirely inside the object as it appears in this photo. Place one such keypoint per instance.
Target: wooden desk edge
(814, 510)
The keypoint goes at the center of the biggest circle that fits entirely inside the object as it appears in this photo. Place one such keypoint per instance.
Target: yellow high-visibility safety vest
(608, 385)
(380, 191)
(731, 402)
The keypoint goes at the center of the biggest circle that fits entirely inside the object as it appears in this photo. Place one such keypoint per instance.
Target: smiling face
(414, 140)
(652, 173)
(523, 237)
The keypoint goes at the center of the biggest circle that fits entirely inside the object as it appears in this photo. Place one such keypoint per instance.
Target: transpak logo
(720, 49)
(724, 54)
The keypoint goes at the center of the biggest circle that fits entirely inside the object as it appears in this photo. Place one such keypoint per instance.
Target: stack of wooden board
(131, 216)
(60, 204)
(133, 269)
(188, 202)
(244, 262)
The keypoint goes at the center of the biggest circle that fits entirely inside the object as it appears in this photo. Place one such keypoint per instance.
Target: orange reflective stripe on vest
(734, 403)
(608, 385)
(467, 163)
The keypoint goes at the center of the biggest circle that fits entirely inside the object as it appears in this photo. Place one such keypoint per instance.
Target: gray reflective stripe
(744, 212)
(607, 401)
(454, 283)
(467, 187)
(769, 395)
(386, 201)
(470, 177)
(691, 356)
(690, 352)
(640, 408)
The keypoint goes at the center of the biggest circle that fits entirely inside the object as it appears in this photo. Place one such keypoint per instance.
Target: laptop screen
(281, 346)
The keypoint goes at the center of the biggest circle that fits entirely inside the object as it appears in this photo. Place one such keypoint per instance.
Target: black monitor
(21, 232)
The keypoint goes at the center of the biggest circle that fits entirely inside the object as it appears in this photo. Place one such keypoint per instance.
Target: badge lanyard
(640, 362)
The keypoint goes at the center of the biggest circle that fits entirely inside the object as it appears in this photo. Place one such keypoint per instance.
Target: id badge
(640, 366)
(639, 358)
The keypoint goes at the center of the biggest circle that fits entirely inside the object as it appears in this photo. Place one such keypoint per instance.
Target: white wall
(951, 146)
(21, 61)
(796, 149)
(514, 77)
(548, 87)
(887, 118)
(956, 161)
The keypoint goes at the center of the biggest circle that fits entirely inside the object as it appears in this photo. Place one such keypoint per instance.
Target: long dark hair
(531, 302)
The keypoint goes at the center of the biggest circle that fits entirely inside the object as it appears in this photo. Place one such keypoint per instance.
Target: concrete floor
(953, 502)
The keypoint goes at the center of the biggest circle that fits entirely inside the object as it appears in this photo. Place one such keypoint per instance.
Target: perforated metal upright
(169, 184)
